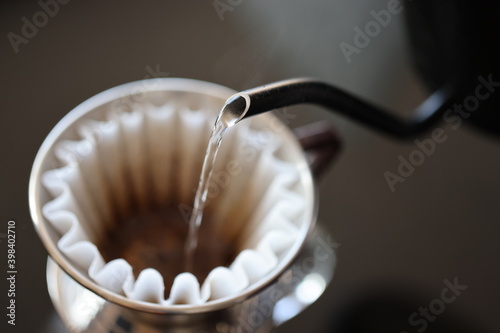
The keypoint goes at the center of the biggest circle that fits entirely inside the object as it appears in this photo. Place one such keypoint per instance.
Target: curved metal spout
(304, 90)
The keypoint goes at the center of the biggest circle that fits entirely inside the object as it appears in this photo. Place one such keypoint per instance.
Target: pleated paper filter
(122, 185)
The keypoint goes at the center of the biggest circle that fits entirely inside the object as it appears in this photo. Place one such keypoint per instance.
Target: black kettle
(456, 49)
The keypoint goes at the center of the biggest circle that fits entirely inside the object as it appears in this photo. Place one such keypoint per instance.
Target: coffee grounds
(156, 239)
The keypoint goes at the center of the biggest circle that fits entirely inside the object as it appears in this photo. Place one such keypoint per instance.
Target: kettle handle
(321, 143)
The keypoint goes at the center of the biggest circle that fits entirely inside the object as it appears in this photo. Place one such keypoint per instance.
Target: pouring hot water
(298, 91)
(232, 112)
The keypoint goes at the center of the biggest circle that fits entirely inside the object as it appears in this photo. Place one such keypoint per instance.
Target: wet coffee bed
(156, 239)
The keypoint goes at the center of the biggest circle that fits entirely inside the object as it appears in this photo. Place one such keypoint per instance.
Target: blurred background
(396, 247)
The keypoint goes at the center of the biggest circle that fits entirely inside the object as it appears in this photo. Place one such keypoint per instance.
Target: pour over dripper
(85, 305)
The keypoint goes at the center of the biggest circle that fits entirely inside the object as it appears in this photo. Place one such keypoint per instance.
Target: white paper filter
(135, 155)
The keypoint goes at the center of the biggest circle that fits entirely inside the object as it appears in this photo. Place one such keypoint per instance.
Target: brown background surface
(442, 222)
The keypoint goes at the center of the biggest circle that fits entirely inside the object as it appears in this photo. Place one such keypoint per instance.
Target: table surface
(396, 248)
